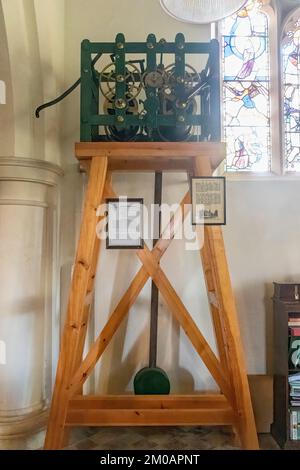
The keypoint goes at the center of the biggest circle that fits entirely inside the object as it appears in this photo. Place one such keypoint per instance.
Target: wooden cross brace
(151, 268)
(233, 406)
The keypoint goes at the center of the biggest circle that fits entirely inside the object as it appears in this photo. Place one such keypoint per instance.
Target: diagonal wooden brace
(72, 372)
(150, 261)
(130, 296)
(180, 312)
(178, 309)
(75, 326)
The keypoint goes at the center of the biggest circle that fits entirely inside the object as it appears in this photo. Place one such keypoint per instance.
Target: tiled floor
(160, 438)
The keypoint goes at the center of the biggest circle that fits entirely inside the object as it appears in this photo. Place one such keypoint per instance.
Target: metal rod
(154, 289)
(65, 93)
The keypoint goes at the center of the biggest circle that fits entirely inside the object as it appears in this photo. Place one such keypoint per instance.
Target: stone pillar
(29, 301)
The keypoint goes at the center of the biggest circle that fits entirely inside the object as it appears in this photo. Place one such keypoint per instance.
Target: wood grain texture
(213, 239)
(90, 288)
(233, 406)
(219, 329)
(149, 410)
(75, 327)
(150, 152)
(150, 164)
(180, 312)
(128, 299)
(131, 401)
(146, 417)
(235, 351)
(203, 168)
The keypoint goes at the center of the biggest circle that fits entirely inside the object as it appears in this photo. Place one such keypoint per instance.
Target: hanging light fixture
(201, 11)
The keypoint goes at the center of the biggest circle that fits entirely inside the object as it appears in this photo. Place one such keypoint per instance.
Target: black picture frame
(120, 246)
(219, 220)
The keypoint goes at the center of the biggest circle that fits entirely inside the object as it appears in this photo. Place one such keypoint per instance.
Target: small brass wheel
(121, 134)
(189, 80)
(109, 78)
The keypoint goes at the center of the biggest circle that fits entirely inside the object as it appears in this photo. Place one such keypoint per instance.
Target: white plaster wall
(262, 241)
(101, 21)
(31, 65)
(22, 319)
(261, 236)
(263, 222)
(129, 349)
(35, 38)
(28, 279)
(6, 104)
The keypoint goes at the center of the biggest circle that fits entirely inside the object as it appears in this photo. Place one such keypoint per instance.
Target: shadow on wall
(117, 371)
(2, 92)
(269, 290)
(182, 381)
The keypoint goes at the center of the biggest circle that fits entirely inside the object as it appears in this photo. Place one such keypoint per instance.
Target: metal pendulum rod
(154, 289)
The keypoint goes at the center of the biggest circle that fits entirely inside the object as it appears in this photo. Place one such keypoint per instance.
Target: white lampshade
(201, 11)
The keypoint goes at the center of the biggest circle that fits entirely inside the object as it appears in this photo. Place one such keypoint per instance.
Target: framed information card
(208, 200)
(124, 223)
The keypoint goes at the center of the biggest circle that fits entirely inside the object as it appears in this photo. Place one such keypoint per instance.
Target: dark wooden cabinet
(286, 304)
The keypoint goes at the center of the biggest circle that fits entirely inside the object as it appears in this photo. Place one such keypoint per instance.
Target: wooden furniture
(232, 406)
(285, 305)
(261, 390)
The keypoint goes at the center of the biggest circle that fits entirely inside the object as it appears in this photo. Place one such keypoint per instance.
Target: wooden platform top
(151, 155)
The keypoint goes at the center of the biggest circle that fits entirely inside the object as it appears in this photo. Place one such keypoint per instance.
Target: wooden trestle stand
(232, 406)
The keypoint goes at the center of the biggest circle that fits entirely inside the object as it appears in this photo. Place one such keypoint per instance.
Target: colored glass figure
(246, 90)
(291, 83)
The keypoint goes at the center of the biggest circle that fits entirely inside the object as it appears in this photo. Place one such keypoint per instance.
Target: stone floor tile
(86, 444)
(161, 438)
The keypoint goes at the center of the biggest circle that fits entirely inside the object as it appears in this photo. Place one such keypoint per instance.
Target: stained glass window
(291, 91)
(246, 89)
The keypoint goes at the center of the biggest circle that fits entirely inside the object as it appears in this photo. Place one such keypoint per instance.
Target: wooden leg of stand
(86, 312)
(202, 167)
(227, 309)
(89, 295)
(178, 309)
(87, 307)
(75, 326)
(236, 358)
(215, 313)
(220, 327)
